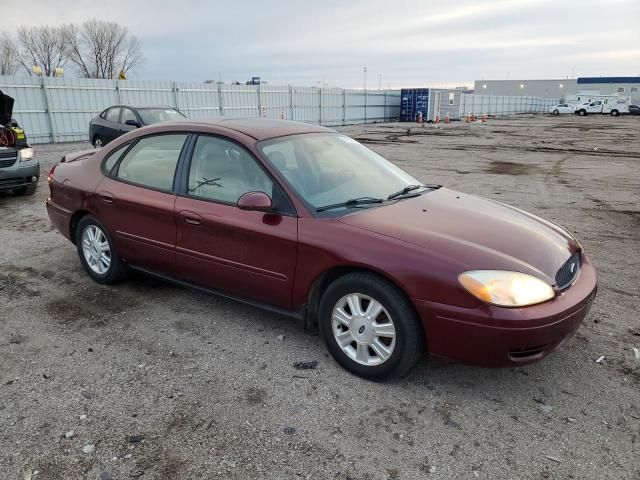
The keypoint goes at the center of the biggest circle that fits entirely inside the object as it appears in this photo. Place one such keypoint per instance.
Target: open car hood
(6, 108)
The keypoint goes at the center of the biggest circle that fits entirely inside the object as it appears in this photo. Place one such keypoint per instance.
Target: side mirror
(258, 201)
(133, 123)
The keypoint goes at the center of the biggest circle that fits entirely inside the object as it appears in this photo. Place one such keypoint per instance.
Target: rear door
(246, 253)
(111, 125)
(136, 200)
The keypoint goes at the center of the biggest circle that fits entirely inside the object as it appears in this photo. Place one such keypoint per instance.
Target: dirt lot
(177, 384)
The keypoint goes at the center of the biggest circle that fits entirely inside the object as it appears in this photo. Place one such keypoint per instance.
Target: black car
(120, 119)
(634, 109)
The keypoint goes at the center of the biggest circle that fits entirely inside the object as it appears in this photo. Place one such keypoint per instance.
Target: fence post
(259, 101)
(220, 106)
(320, 104)
(386, 117)
(344, 106)
(47, 109)
(291, 103)
(118, 94)
(176, 104)
(365, 104)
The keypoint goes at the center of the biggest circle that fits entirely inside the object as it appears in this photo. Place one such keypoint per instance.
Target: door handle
(107, 197)
(191, 218)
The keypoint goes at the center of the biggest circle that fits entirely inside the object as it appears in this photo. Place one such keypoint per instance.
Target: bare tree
(43, 46)
(102, 49)
(9, 61)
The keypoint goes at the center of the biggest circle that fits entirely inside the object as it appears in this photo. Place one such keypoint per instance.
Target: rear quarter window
(113, 157)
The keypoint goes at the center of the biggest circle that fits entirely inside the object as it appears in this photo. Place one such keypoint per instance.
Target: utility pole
(365, 79)
(379, 81)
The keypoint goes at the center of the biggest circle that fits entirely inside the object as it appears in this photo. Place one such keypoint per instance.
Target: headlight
(506, 289)
(25, 154)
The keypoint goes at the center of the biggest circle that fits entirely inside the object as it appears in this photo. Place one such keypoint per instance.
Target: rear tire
(615, 113)
(381, 337)
(97, 142)
(28, 190)
(97, 253)
(556, 112)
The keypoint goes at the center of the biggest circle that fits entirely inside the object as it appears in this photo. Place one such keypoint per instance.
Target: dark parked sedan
(634, 109)
(308, 222)
(121, 119)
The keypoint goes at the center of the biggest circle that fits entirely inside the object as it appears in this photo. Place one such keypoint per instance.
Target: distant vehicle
(305, 221)
(120, 119)
(19, 169)
(563, 108)
(608, 106)
(634, 109)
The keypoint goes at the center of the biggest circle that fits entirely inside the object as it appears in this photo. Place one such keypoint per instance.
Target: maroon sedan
(306, 221)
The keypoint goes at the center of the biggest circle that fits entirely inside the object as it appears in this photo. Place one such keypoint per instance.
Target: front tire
(370, 327)
(556, 112)
(582, 113)
(97, 253)
(98, 142)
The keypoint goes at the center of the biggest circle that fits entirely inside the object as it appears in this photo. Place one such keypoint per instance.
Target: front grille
(8, 182)
(569, 271)
(4, 163)
(7, 158)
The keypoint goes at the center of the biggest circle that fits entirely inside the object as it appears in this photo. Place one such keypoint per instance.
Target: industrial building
(561, 88)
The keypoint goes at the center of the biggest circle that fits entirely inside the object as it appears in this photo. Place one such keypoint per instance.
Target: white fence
(59, 109)
(504, 105)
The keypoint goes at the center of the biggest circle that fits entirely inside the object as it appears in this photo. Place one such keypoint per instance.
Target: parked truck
(606, 104)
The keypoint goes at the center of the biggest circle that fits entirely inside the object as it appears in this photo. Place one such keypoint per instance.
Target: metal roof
(608, 80)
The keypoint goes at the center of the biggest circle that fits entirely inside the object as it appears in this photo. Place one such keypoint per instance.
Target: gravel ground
(149, 380)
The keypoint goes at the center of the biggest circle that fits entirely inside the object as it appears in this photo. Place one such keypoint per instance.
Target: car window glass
(113, 114)
(330, 168)
(152, 161)
(127, 114)
(221, 170)
(113, 157)
(155, 115)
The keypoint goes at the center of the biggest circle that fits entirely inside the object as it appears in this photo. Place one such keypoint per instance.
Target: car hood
(6, 108)
(472, 232)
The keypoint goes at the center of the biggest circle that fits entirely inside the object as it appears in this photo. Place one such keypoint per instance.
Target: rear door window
(113, 114)
(152, 161)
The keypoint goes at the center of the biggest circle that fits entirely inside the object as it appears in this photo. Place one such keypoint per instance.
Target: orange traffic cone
(446, 118)
(437, 118)
(484, 118)
(467, 118)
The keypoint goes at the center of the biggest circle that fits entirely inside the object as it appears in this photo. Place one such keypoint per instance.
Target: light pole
(365, 79)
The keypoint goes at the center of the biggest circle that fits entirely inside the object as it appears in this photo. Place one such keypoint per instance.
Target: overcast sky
(410, 43)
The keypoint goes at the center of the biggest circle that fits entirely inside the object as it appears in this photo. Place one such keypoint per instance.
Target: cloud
(409, 42)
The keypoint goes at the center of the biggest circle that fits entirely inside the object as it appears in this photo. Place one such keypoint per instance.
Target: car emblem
(572, 267)
(361, 329)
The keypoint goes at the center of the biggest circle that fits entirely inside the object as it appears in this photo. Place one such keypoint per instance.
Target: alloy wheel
(363, 329)
(96, 249)
(98, 143)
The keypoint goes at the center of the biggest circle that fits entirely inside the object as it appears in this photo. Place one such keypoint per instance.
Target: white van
(609, 105)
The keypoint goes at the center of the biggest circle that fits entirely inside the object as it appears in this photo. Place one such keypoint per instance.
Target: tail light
(50, 176)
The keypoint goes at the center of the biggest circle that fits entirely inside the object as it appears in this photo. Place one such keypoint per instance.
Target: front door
(137, 202)
(246, 253)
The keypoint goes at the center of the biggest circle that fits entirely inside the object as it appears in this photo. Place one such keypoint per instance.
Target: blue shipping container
(412, 102)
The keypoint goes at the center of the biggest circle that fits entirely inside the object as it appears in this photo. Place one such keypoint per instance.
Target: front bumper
(502, 337)
(18, 176)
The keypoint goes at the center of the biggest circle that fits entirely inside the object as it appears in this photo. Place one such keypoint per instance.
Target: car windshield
(328, 169)
(155, 115)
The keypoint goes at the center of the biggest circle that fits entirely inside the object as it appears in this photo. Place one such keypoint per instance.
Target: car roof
(257, 128)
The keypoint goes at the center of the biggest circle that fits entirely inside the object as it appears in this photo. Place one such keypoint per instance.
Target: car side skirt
(247, 301)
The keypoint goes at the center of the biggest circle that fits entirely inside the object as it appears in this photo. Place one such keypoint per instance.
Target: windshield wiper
(352, 202)
(411, 188)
